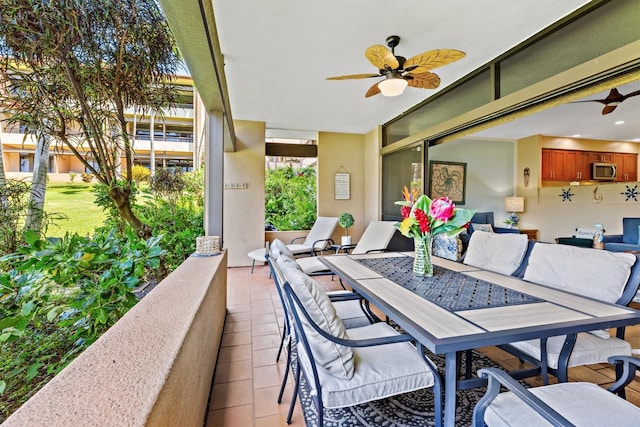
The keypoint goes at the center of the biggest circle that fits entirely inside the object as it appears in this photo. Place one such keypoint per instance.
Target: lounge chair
(318, 239)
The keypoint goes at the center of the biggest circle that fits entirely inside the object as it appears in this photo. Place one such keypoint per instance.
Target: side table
(257, 255)
(343, 248)
(531, 232)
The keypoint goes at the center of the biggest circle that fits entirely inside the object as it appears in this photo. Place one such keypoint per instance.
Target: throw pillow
(447, 247)
(335, 358)
(499, 252)
(482, 227)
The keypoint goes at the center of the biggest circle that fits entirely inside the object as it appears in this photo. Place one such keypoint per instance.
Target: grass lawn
(75, 201)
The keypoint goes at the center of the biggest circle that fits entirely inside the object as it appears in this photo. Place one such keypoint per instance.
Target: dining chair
(349, 367)
(564, 404)
(612, 277)
(318, 238)
(348, 306)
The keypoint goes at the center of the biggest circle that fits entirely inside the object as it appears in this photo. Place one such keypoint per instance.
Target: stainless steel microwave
(603, 171)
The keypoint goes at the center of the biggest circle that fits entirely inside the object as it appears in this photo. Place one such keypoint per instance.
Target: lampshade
(392, 86)
(514, 204)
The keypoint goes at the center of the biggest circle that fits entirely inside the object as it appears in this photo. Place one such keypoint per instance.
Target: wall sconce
(514, 205)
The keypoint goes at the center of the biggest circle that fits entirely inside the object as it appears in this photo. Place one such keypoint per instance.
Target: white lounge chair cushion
(499, 252)
(376, 236)
(380, 371)
(311, 265)
(598, 274)
(322, 230)
(587, 350)
(336, 359)
(583, 404)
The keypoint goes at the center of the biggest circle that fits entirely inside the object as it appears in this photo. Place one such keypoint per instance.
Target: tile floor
(247, 377)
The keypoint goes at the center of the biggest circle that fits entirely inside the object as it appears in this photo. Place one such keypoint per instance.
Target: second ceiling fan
(399, 72)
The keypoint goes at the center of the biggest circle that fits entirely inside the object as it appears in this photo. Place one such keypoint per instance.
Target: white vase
(346, 240)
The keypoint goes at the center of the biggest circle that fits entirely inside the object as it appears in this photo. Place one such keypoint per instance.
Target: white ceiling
(278, 53)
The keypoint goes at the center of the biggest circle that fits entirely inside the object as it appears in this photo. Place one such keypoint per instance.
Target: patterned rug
(414, 409)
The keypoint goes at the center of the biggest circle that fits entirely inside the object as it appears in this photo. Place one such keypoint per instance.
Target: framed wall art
(448, 179)
(342, 186)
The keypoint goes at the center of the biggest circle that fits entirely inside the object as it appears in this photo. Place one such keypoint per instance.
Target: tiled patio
(247, 377)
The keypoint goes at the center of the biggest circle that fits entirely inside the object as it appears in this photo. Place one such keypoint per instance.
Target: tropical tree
(71, 68)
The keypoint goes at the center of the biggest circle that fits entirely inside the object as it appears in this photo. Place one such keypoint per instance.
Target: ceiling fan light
(392, 86)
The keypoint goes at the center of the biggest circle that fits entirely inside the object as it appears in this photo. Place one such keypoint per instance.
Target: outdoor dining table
(462, 307)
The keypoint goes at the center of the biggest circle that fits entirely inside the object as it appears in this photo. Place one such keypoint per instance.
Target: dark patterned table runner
(449, 289)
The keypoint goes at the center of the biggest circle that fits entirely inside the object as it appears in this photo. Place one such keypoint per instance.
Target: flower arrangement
(423, 218)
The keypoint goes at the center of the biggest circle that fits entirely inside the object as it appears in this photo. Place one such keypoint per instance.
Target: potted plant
(346, 220)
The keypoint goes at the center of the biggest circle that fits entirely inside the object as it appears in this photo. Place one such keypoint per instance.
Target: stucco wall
(490, 168)
(340, 152)
(244, 208)
(154, 367)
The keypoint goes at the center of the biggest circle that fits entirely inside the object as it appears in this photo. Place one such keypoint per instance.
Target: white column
(214, 175)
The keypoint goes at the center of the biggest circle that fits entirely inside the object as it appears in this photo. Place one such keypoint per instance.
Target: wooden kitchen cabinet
(627, 167)
(575, 165)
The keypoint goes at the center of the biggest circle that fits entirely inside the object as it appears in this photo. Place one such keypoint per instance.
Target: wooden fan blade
(608, 108)
(373, 90)
(381, 57)
(629, 95)
(432, 59)
(353, 76)
(424, 80)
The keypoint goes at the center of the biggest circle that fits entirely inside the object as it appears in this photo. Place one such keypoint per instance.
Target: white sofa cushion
(587, 350)
(311, 265)
(594, 273)
(279, 248)
(583, 404)
(497, 252)
(336, 359)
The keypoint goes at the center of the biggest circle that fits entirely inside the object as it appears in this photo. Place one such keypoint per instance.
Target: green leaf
(32, 370)
(3, 386)
(27, 308)
(53, 313)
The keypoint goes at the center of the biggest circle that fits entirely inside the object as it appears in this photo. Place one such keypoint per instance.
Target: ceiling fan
(399, 72)
(612, 100)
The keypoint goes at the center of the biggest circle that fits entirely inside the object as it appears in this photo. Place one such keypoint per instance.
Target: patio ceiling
(277, 55)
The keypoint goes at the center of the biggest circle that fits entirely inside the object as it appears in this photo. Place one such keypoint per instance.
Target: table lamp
(514, 205)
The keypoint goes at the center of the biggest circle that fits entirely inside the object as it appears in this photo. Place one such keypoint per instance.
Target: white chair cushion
(588, 349)
(376, 236)
(380, 371)
(336, 359)
(497, 252)
(299, 248)
(583, 404)
(597, 274)
(311, 265)
(322, 229)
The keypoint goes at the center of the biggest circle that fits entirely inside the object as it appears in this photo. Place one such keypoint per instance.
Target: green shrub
(140, 173)
(72, 176)
(86, 177)
(59, 296)
(290, 198)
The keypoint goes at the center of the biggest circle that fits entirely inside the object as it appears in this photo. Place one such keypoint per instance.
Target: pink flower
(442, 209)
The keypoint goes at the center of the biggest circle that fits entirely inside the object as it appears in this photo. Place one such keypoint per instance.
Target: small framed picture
(448, 179)
(342, 186)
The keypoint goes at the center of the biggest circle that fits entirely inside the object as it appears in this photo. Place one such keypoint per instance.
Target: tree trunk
(35, 211)
(122, 198)
(3, 175)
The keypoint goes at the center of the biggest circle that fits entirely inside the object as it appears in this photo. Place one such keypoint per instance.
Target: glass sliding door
(399, 169)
